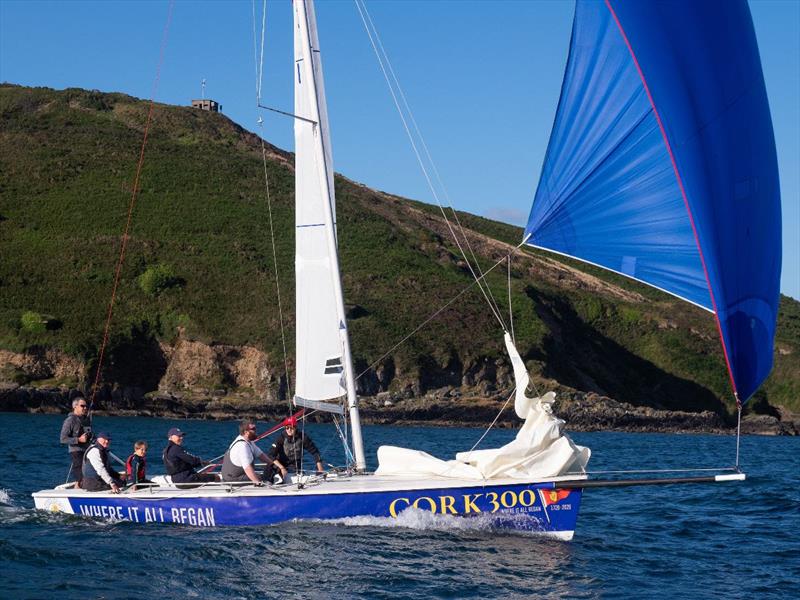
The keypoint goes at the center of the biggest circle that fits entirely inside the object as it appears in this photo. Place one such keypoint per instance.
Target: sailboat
(661, 166)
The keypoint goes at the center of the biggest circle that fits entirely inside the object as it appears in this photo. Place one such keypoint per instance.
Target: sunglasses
(81, 406)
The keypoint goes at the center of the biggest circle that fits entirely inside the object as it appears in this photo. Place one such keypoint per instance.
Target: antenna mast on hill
(203, 89)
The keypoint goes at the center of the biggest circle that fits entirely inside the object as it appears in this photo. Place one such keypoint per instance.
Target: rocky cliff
(228, 382)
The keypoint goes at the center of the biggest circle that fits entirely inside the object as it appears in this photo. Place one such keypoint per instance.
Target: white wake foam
(415, 518)
(5, 498)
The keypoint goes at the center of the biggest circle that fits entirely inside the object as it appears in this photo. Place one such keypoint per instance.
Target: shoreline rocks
(582, 412)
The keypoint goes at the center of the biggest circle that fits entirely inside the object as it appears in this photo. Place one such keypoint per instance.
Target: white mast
(324, 363)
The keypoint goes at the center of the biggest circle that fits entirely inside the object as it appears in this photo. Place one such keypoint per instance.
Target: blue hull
(527, 507)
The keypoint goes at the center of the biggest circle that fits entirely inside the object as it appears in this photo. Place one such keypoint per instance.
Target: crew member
(237, 464)
(136, 465)
(288, 450)
(98, 475)
(179, 464)
(76, 432)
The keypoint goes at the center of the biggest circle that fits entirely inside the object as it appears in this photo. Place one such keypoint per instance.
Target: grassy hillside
(199, 260)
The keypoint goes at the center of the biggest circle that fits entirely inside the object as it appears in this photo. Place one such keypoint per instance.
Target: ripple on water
(733, 540)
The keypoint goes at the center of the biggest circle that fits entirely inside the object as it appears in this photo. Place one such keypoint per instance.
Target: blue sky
(483, 80)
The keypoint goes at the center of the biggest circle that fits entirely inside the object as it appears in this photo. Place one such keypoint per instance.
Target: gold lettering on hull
(522, 501)
(447, 504)
(469, 503)
(393, 505)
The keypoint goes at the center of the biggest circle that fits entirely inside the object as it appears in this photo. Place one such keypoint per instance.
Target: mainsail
(320, 363)
(324, 364)
(662, 165)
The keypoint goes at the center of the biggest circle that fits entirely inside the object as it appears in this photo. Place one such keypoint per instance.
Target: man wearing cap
(98, 475)
(76, 433)
(288, 450)
(179, 464)
(237, 464)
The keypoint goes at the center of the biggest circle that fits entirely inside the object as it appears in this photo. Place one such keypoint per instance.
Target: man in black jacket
(76, 433)
(179, 464)
(289, 448)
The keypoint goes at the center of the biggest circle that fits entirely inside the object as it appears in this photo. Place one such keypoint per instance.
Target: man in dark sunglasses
(76, 432)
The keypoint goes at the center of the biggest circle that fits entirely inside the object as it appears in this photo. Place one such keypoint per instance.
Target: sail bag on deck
(540, 449)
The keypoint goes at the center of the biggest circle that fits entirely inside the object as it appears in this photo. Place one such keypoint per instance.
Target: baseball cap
(175, 431)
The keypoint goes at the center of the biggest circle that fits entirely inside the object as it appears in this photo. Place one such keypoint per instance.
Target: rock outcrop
(229, 382)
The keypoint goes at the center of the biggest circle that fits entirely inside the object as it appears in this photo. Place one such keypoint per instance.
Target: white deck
(334, 484)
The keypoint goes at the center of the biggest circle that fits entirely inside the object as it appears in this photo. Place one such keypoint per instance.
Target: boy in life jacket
(136, 464)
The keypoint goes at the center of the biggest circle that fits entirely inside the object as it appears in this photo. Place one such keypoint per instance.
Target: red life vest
(140, 476)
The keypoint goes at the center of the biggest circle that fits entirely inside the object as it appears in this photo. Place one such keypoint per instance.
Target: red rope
(683, 193)
(134, 192)
(280, 425)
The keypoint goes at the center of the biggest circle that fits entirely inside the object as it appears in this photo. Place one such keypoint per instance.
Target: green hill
(199, 265)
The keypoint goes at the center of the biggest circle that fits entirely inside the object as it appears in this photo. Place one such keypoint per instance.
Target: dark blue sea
(734, 540)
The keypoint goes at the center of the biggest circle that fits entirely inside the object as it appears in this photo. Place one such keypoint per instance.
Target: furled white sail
(319, 349)
(539, 450)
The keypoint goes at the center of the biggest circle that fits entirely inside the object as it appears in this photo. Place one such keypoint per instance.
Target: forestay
(662, 165)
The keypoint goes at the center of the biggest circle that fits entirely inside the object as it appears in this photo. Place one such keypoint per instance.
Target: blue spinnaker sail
(662, 165)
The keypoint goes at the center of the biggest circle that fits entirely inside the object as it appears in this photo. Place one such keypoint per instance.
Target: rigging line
(255, 52)
(510, 309)
(429, 157)
(469, 246)
(131, 205)
(261, 62)
(421, 163)
(69, 472)
(486, 292)
(738, 429)
(288, 114)
(348, 454)
(485, 433)
(434, 315)
(259, 75)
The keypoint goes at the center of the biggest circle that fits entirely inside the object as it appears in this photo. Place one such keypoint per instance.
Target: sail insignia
(334, 366)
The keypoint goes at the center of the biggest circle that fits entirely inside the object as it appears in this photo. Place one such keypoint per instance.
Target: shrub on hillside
(33, 322)
(158, 278)
(172, 325)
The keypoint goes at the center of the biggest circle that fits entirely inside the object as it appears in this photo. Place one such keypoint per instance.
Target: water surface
(702, 541)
